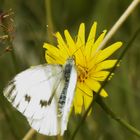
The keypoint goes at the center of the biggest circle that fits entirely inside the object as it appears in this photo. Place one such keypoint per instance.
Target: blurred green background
(30, 32)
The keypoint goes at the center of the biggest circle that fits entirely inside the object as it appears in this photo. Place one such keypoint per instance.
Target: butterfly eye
(27, 98)
(43, 103)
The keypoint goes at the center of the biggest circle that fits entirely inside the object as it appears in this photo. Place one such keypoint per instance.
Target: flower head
(92, 64)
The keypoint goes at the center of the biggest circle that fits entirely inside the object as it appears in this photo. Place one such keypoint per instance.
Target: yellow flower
(92, 65)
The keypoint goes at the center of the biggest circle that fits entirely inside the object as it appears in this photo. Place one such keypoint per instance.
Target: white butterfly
(44, 95)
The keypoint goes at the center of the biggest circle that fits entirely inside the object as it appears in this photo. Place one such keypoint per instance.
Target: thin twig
(96, 96)
(118, 24)
(58, 137)
(29, 134)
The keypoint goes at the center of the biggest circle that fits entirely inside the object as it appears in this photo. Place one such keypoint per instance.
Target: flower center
(82, 73)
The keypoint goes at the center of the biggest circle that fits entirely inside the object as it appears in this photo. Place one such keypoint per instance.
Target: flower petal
(74, 50)
(87, 102)
(81, 35)
(97, 43)
(90, 40)
(85, 89)
(71, 44)
(62, 45)
(78, 101)
(107, 64)
(91, 37)
(54, 59)
(52, 49)
(95, 86)
(49, 59)
(99, 75)
(108, 51)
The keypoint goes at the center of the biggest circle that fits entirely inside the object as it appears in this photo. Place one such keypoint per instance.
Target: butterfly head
(70, 60)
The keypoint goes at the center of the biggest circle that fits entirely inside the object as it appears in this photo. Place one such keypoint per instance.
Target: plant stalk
(118, 24)
(118, 119)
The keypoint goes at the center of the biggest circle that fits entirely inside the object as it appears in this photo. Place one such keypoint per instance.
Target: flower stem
(118, 119)
(29, 134)
(49, 21)
(14, 60)
(118, 24)
(58, 137)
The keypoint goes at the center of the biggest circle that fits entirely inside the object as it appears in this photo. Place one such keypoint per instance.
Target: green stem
(58, 137)
(49, 21)
(29, 134)
(118, 23)
(14, 59)
(117, 118)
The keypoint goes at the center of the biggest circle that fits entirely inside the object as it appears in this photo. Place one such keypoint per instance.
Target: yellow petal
(62, 45)
(97, 43)
(91, 37)
(108, 51)
(90, 40)
(107, 64)
(78, 101)
(49, 59)
(103, 93)
(74, 50)
(84, 88)
(52, 49)
(92, 61)
(95, 86)
(55, 59)
(71, 44)
(55, 53)
(81, 35)
(100, 75)
(87, 102)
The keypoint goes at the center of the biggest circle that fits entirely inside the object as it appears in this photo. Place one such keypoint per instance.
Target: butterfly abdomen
(62, 99)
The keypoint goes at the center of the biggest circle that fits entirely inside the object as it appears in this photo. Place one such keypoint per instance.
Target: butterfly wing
(50, 124)
(69, 99)
(30, 90)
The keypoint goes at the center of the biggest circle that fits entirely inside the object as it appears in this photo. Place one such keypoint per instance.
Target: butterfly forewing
(30, 90)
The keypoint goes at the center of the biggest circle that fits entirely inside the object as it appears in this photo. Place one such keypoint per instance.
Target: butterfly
(44, 95)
